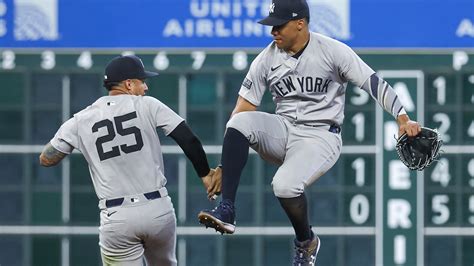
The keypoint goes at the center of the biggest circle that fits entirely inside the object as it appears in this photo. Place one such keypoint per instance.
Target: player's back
(118, 138)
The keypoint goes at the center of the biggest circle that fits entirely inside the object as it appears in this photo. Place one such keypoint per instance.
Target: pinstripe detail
(401, 107)
(393, 103)
(374, 85)
(384, 93)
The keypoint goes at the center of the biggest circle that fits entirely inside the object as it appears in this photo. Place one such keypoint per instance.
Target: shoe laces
(303, 255)
(224, 208)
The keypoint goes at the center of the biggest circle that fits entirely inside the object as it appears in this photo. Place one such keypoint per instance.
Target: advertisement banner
(188, 24)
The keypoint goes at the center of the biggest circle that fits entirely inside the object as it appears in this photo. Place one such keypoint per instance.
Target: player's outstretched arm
(50, 156)
(192, 148)
(388, 99)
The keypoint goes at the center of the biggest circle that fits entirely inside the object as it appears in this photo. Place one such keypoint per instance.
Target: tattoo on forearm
(50, 156)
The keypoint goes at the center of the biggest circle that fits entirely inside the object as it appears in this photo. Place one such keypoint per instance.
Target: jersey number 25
(111, 135)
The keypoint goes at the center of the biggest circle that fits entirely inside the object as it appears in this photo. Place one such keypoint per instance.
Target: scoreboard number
(441, 172)
(439, 205)
(470, 130)
(359, 166)
(359, 209)
(240, 60)
(440, 84)
(85, 60)
(8, 59)
(198, 59)
(470, 170)
(48, 60)
(161, 61)
(359, 122)
(445, 124)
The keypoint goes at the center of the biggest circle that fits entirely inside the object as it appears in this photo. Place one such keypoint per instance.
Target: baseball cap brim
(149, 74)
(273, 21)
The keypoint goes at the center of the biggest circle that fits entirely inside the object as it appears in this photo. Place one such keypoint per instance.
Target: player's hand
(405, 125)
(215, 189)
(212, 182)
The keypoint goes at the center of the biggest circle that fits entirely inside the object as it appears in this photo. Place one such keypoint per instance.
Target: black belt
(118, 201)
(334, 128)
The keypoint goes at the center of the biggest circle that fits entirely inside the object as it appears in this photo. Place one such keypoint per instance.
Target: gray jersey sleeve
(384, 94)
(254, 85)
(162, 116)
(66, 139)
(350, 66)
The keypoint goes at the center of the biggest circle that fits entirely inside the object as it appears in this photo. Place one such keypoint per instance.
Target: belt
(334, 128)
(118, 201)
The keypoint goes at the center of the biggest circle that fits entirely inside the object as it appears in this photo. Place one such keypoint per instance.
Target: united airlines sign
(211, 24)
(221, 19)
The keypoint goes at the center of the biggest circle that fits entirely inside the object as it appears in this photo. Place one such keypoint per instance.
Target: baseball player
(307, 74)
(117, 136)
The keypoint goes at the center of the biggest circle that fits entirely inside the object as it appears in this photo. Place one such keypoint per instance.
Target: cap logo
(294, 14)
(272, 8)
(139, 59)
(105, 76)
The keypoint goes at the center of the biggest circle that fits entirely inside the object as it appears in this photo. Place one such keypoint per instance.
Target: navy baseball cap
(126, 67)
(282, 11)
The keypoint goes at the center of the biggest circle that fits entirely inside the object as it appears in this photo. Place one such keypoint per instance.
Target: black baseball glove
(420, 151)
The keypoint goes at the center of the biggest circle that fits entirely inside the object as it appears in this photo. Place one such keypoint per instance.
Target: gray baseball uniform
(309, 93)
(117, 136)
(307, 75)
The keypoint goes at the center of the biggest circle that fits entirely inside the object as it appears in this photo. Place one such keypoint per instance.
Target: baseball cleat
(306, 251)
(221, 218)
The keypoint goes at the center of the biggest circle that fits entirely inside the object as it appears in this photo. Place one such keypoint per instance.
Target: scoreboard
(369, 209)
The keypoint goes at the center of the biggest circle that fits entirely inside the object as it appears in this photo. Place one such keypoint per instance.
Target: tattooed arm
(50, 156)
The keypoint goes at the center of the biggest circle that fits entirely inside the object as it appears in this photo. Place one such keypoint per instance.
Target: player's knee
(286, 189)
(239, 121)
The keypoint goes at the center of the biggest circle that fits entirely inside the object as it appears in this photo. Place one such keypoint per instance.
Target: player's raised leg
(266, 133)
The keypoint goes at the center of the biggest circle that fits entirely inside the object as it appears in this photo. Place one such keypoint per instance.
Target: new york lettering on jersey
(303, 84)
